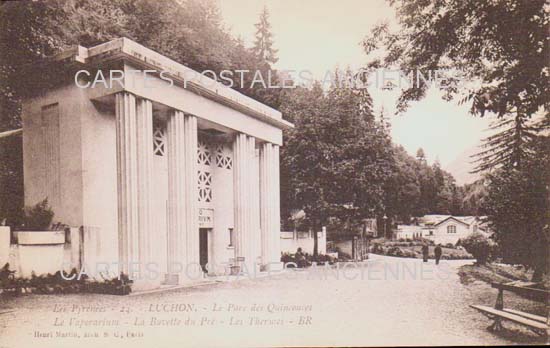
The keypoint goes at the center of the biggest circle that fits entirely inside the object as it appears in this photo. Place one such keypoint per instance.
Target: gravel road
(384, 301)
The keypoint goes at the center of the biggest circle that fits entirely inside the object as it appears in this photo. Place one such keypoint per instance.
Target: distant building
(448, 229)
(408, 232)
(442, 229)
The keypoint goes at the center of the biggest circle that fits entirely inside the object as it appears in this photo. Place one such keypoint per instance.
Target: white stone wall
(85, 166)
(39, 252)
(291, 241)
(62, 165)
(99, 186)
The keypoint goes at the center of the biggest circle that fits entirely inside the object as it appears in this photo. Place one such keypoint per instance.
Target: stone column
(183, 229)
(145, 181)
(126, 136)
(193, 269)
(270, 206)
(243, 155)
(134, 130)
(176, 237)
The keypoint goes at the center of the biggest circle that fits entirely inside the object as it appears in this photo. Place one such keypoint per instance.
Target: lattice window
(159, 141)
(205, 186)
(223, 157)
(204, 156)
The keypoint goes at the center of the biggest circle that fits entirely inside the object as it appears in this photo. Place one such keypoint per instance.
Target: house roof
(432, 219)
(436, 219)
(452, 218)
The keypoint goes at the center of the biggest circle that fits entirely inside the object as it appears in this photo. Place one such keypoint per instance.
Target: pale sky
(319, 35)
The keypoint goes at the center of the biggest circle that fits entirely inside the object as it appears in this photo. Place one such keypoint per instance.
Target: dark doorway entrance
(203, 248)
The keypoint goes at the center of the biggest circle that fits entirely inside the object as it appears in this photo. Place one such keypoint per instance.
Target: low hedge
(57, 284)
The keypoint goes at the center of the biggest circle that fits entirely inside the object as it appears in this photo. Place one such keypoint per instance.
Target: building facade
(162, 168)
(408, 232)
(447, 229)
(442, 229)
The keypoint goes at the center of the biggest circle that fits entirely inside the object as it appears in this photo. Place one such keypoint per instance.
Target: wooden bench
(536, 323)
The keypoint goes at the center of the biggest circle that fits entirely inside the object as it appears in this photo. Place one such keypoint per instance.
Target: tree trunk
(537, 274)
(541, 256)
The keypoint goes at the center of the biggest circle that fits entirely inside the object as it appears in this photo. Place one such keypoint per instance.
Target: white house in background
(408, 232)
(445, 229)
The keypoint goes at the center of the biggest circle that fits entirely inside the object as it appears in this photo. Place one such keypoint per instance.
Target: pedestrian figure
(300, 258)
(438, 253)
(425, 252)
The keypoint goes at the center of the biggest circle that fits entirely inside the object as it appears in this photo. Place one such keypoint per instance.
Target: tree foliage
(339, 165)
(518, 208)
(479, 246)
(500, 48)
(416, 188)
(337, 159)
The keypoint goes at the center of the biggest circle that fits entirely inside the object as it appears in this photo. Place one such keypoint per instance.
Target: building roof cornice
(124, 49)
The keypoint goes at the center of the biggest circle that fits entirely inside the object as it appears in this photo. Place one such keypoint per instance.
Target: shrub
(343, 256)
(59, 284)
(321, 259)
(38, 217)
(409, 253)
(450, 245)
(479, 246)
(395, 251)
(375, 248)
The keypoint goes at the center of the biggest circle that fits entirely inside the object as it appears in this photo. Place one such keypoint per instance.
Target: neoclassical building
(159, 168)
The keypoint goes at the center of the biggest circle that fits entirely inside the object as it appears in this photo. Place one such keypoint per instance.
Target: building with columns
(161, 169)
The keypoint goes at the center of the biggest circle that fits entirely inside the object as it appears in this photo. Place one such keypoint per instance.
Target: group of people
(437, 251)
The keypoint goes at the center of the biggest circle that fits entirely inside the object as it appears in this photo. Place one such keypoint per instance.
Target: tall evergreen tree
(263, 45)
(420, 156)
(509, 145)
(518, 207)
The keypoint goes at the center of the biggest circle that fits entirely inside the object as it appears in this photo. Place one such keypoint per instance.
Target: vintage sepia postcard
(274, 173)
